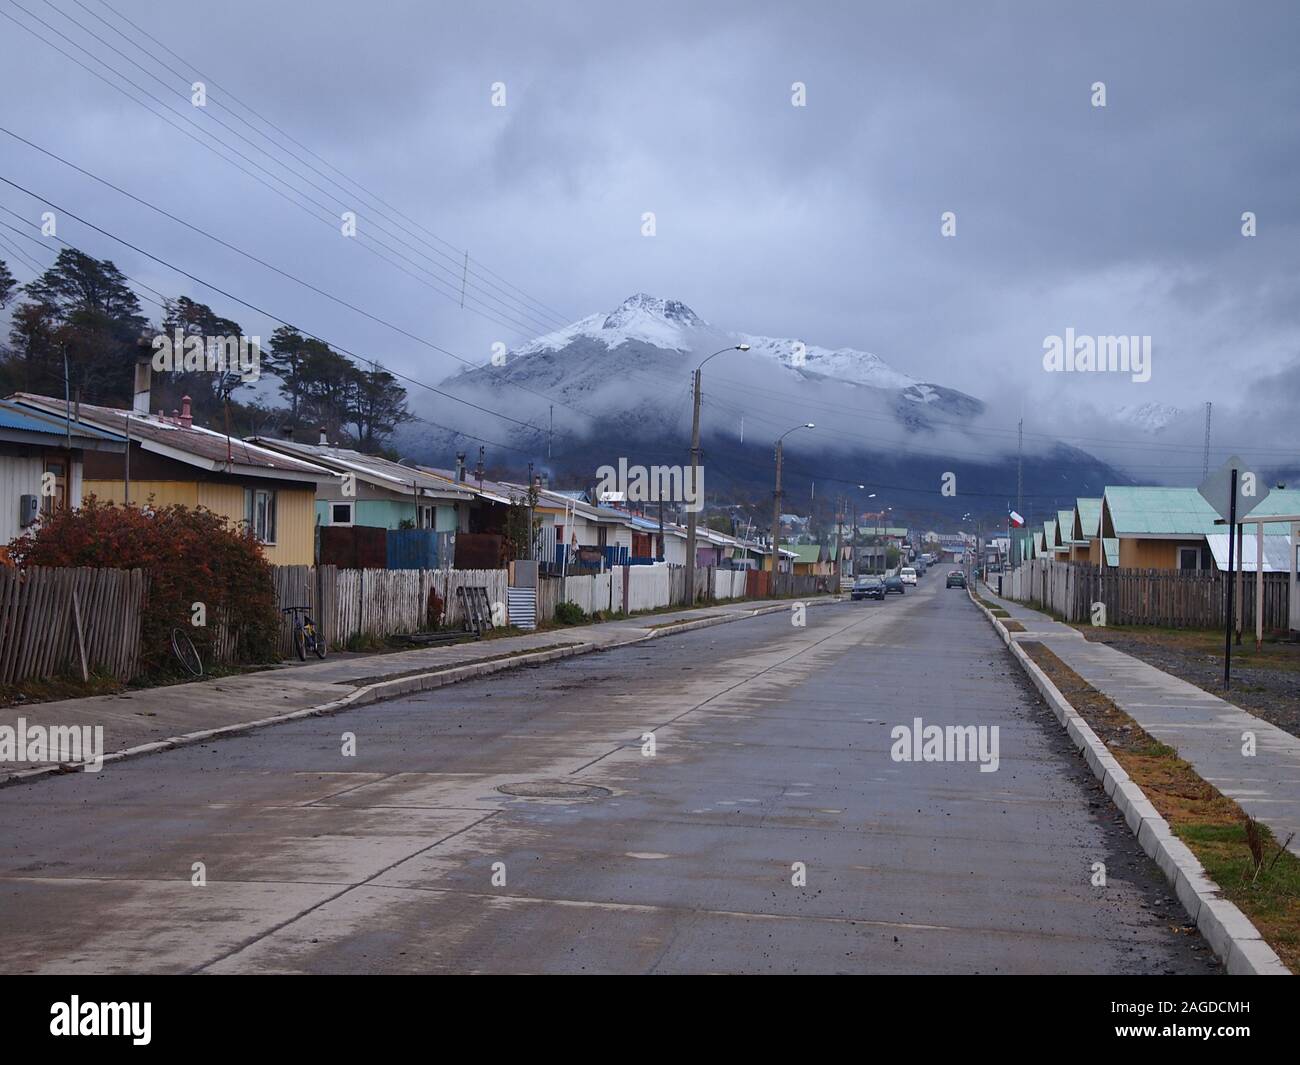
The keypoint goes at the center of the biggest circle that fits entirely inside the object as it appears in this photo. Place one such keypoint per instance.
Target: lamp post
(858, 514)
(695, 476)
(776, 496)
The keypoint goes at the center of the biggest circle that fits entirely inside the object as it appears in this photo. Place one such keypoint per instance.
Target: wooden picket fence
(1169, 598)
(374, 602)
(60, 621)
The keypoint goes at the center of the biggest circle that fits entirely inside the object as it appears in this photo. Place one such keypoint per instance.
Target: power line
(213, 118)
(169, 114)
(559, 316)
(285, 273)
(259, 310)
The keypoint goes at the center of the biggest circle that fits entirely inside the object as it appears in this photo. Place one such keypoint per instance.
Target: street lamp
(776, 496)
(695, 476)
(858, 508)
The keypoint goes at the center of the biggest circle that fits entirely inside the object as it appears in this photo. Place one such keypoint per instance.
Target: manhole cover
(554, 789)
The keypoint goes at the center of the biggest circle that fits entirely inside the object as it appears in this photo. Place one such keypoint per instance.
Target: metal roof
(1157, 512)
(1065, 528)
(1087, 513)
(1278, 501)
(190, 444)
(25, 420)
(373, 469)
(1277, 551)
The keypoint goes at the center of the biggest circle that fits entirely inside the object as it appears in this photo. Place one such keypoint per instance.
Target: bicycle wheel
(300, 644)
(318, 642)
(186, 653)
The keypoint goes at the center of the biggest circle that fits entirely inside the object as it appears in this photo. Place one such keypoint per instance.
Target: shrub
(192, 555)
(569, 614)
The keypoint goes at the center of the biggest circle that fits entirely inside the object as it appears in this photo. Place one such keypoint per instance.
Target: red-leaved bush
(192, 555)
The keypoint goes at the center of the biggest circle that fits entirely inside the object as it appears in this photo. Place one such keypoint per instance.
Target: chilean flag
(1016, 519)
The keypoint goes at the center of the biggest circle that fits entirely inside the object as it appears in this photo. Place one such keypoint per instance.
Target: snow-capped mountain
(647, 336)
(619, 383)
(845, 364)
(1149, 417)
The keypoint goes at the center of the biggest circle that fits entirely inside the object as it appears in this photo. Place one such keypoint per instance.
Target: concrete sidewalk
(1204, 729)
(176, 714)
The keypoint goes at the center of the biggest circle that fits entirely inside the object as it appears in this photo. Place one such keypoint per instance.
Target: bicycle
(186, 653)
(306, 636)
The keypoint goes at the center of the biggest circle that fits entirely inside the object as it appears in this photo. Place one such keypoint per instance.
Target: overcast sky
(819, 222)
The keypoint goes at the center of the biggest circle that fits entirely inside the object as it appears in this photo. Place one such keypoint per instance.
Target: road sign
(1216, 489)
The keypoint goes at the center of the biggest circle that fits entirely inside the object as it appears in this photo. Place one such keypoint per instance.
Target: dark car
(956, 579)
(868, 588)
(895, 584)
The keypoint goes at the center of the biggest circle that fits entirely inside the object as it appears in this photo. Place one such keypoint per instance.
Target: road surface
(770, 830)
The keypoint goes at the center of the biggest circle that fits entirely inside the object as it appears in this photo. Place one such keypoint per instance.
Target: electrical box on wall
(29, 509)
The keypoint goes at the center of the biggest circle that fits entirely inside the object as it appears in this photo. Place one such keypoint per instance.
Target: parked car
(956, 579)
(868, 588)
(907, 575)
(895, 584)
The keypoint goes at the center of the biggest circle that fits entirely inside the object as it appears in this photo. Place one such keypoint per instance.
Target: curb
(392, 689)
(1228, 931)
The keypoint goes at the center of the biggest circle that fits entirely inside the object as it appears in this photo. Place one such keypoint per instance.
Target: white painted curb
(1226, 929)
(395, 688)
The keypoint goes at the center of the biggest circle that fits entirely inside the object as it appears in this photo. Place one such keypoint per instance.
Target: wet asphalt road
(772, 747)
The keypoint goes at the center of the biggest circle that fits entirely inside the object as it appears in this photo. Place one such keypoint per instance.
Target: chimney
(187, 419)
(324, 440)
(460, 465)
(143, 384)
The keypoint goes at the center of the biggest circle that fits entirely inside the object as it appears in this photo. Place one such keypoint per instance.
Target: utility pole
(1205, 460)
(695, 476)
(1020, 468)
(695, 480)
(776, 512)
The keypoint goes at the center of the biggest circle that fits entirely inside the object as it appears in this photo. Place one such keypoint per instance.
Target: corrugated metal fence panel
(522, 604)
(412, 549)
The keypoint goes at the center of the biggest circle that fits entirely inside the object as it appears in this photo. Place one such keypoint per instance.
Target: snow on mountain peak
(642, 306)
(847, 364)
(643, 318)
(670, 325)
(1149, 417)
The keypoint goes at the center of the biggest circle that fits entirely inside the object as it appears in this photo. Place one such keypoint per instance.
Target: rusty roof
(191, 444)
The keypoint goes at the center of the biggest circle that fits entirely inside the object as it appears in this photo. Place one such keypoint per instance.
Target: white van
(908, 574)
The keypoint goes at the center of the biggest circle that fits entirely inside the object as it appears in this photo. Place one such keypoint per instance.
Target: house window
(259, 512)
(425, 518)
(56, 477)
(1193, 558)
(340, 513)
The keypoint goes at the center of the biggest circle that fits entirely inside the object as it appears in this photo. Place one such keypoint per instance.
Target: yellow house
(171, 460)
(1157, 528)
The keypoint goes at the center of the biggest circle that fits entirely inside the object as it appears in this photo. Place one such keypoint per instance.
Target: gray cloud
(819, 222)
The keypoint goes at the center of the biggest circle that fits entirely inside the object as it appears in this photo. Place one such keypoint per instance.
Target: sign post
(1233, 491)
(1232, 583)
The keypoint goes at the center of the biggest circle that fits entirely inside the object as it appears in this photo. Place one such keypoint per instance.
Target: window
(259, 512)
(56, 479)
(425, 520)
(1193, 558)
(340, 513)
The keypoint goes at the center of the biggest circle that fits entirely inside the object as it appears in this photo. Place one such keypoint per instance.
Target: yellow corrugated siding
(295, 528)
(295, 518)
(164, 493)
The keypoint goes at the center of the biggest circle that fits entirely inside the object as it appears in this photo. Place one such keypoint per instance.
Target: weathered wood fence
(374, 602)
(1170, 598)
(52, 620)
(652, 587)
